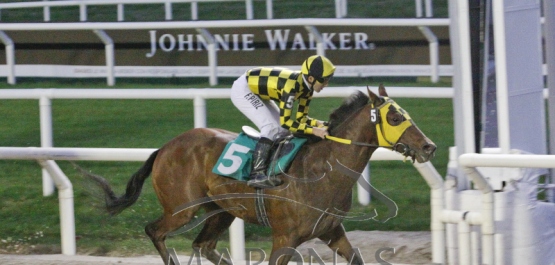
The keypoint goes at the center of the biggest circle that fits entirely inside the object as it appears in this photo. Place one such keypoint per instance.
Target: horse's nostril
(429, 148)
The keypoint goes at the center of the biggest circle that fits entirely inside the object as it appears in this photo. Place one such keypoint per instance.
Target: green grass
(31, 221)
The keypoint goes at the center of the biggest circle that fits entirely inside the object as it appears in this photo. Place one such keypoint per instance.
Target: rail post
(10, 56)
(46, 140)
(65, 197)
(110, 57)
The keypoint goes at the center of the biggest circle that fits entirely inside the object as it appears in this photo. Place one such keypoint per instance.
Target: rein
(405, 149)
(347, 141)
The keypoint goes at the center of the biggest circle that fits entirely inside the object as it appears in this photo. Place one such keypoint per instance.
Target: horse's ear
(381, 90)
(373, 97)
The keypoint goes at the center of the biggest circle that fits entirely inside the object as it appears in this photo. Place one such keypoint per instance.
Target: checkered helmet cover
(318, 67)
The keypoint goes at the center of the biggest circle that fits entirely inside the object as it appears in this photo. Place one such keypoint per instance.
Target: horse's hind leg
(337, 240)
(208, 238)
(159, 229)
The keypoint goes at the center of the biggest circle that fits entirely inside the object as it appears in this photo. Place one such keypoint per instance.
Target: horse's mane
(349, 106)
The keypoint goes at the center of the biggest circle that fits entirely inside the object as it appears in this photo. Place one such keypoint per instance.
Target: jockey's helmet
(320, 67)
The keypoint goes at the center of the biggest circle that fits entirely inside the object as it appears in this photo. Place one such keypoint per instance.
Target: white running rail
(46, 154)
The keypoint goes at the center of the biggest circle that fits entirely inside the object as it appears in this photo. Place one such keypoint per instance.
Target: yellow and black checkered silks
(284, 86)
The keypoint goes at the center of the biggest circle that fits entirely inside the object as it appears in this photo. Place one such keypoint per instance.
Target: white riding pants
(263, 113)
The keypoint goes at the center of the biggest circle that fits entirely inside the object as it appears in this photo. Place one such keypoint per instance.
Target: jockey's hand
(320, 124)
(320, 132)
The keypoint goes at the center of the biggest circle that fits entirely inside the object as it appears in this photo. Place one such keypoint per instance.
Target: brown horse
(312, 201)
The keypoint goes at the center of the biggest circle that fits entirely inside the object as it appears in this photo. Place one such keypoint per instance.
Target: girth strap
(260, 208)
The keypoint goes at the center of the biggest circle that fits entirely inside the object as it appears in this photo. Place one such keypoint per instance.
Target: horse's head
(395, 128)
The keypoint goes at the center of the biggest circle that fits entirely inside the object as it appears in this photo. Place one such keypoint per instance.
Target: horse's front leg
(337, 241)
(283, 249)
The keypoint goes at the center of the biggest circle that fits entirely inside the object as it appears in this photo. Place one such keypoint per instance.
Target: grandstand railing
(202, 27)
(340, 7)
(46, 5)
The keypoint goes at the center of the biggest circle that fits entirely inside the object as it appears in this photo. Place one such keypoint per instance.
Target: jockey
(266, 96)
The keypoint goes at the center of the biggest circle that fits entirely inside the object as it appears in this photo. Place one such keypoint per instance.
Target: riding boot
(258, 177)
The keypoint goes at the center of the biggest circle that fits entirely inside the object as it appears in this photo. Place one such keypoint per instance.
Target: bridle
(387, 138)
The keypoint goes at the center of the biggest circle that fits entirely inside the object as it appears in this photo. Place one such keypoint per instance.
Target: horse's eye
(396, 119)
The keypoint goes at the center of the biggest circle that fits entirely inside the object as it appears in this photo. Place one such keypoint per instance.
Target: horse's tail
(115, 204)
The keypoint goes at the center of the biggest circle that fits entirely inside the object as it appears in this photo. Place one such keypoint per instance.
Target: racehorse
(312, 201)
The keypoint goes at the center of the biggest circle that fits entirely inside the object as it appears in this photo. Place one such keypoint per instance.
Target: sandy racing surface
(410, 248)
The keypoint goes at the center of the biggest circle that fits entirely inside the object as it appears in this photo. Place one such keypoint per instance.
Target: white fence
(202, 26)
(168, 10)
(46, 157)
(340, 7)
(492, 250)
(199, 96)
(46, 154)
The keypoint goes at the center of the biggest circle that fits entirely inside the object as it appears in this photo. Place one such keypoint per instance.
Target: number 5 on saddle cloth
(236, 159)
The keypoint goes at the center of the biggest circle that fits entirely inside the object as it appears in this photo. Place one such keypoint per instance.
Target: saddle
(236, 158)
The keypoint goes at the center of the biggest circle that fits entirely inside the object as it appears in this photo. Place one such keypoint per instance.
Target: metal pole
(237, 240)
(437, 202)
(199, 104)
(10, 56)
(418, 7)
(462, 84)
(82, 12)
(46, 12)
(466, 74)
(269, 9)
(464, 242)
(121, 12)
(501, 76)
(429, 9)
(249, 9)
(168, 10)
(319, 40)
(212, 55)
(338, 9)
(67, 214)
(194, 11)
(46, 140)
(363, 194)
(110, 57)
(488, 223)
(549, 35)
(434, 53)
(475, 45)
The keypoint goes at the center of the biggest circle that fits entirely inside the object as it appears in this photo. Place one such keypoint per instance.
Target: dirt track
(410, 248)
(78, 260)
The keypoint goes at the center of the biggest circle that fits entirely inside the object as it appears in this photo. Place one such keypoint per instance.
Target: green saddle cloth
(236, 159)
